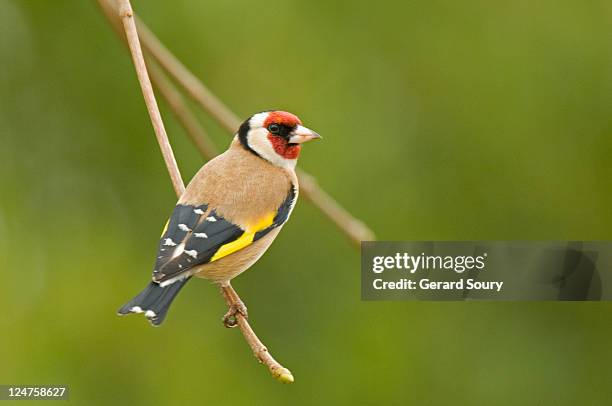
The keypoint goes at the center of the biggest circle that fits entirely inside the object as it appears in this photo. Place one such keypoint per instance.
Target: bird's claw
(229, 319)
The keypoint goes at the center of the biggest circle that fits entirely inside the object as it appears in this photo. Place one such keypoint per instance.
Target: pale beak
(302, 134)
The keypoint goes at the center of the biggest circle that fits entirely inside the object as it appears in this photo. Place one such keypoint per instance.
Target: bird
(229, 215)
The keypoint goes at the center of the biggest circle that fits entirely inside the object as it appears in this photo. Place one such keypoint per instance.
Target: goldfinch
(230, 212)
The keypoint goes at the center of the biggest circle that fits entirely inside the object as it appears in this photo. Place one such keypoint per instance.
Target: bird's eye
(274, 128)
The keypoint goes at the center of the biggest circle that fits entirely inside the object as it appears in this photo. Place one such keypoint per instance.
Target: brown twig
(354, 228)
(259, 350)
(188, 81)
(181, 111)
(126, 14)
(168, 91)
(127, 17)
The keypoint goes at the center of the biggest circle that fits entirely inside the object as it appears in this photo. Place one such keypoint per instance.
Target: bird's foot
(229, 319)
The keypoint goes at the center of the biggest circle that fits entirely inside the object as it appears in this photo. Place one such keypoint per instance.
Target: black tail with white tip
(154, 301)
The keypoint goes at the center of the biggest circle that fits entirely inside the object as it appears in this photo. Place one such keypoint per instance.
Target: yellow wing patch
(165, 228)
(245, 239)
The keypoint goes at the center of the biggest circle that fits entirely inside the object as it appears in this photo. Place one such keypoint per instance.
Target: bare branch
(168, 91)
(176, 103)
(182, 113)
(354, 228)
(259, 349)
(127, 16)
(188, 81)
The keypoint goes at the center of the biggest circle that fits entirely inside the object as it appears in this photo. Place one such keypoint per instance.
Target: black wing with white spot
(183, 219)
(201, 244)
(193, 238)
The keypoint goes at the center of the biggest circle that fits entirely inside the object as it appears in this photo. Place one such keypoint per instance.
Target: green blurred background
(442, 120)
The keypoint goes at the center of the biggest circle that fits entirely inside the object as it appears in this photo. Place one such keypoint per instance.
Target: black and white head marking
(253, 135)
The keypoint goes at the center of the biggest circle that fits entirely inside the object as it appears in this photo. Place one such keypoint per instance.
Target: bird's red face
(275, 136)
(277, 123)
